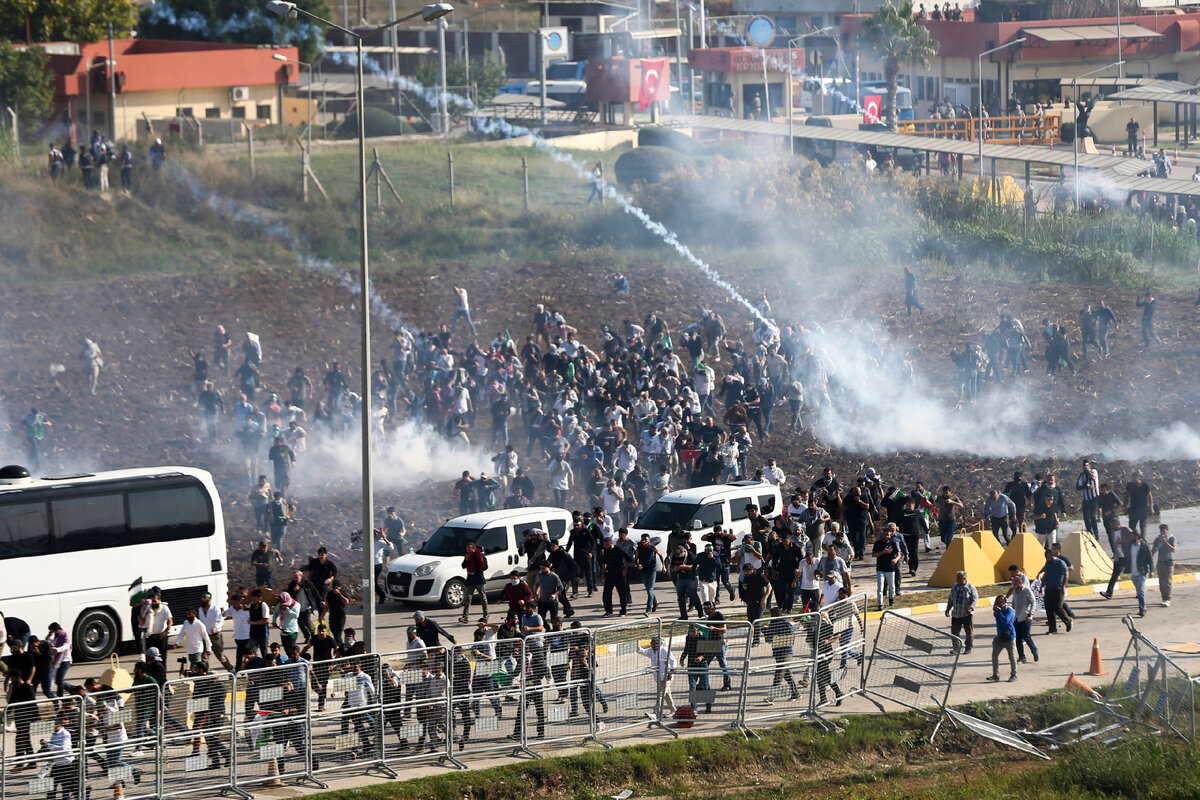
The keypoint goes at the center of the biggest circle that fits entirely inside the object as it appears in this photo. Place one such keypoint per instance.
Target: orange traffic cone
(1097, 668)
(1083, 688)
(1175, 162)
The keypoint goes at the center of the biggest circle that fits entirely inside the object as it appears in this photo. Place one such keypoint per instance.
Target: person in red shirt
(516, 592)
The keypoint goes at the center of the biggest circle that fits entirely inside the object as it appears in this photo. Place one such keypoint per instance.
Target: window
(168, 515)
(493, 540)
(88, 523)
(766, 504)
(98, 118)
(710, 515)
(24, 530)
(557, 529)
(185, 111)
(263, 112)
(212, 113)
(737, 508)
(239, 112)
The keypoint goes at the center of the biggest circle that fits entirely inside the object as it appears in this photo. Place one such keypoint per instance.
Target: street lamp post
(308, 150)
(791, 100)
(443, 109)
(289, 10)
(1078, 133)
(979, 75)
(467, 42)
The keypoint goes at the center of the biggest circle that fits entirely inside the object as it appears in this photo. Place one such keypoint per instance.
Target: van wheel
(96, 635)
(455, 594)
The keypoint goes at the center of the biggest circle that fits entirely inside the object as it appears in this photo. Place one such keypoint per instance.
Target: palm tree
(896, 36)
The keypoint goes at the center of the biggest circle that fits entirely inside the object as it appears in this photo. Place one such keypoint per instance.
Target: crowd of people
(95, 157)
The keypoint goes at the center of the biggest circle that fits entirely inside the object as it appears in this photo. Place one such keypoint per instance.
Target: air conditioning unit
(241, 94)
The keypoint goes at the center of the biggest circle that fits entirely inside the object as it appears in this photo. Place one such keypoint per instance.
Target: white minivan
(434, 573)
(700, 508)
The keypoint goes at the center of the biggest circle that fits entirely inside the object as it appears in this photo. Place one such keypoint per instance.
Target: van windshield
(449, 540)
(661, 516)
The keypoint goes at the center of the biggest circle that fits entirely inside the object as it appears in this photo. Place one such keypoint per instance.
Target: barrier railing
(1149, 682)
(209, 734)
(996, 130)
(912, 665)
(627, 677)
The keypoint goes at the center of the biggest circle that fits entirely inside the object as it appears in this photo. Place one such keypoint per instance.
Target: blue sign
(760, 31)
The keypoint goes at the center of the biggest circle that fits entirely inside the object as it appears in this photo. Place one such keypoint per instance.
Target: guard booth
(747, 82)
(617, 84)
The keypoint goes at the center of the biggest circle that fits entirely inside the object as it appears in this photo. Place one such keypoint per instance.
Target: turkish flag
(872, 108)
(653, 70)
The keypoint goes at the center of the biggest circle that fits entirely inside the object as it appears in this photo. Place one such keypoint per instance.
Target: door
(500, 550)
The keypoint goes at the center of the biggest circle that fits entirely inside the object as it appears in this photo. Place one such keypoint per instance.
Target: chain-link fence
(45, 757)
(121, 754)
(558, 669)
(415, 689)
(1149, 683)
(271, 724)
(912, 665)
(490, 702)
(346, 730)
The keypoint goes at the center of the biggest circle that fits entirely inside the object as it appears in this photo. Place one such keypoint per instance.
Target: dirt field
(144, 413)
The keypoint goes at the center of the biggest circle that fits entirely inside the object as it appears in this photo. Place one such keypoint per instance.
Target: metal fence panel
(840, 651)
(345, 731)
(208, 703)
(271, 724)
(710, 679)
(627, 689)
(1148, 681)
(32, 770)
(912, 664)
(121, 744)
(493, 696)
(559, 681)
(416, 697)
(781, 668)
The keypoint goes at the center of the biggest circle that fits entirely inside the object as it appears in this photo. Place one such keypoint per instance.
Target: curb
(1072, 591)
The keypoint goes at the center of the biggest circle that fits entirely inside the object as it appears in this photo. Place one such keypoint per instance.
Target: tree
(65, 20)
(25, 81)
(487, 76)
(896, 36)
(234, 22)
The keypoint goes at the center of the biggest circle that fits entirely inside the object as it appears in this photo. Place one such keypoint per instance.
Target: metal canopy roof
(1161, 92)
(1121, 170)
(1089, 33)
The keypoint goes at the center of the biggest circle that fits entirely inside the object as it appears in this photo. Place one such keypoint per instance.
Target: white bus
(72, 546)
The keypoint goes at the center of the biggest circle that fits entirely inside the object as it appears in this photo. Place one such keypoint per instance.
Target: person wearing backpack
(1088, 482)
(476, 565)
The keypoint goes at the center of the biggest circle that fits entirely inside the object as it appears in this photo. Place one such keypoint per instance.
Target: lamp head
(279, 57)
(433, 11)
(283, 9)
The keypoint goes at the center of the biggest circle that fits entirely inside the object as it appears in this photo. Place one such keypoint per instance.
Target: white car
(434, 574)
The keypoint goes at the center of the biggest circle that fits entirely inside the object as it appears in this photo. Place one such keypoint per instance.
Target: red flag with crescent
(653, 70)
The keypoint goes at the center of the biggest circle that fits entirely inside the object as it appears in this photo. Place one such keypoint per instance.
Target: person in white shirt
(193, 637)
(625, 458)
(703, 379)
(156, 619)
(772, 474)
(115, 736)
(797, 506)
(362, 695)
(810, 590)
(830, 588)
(61, 767)
(663, 662)
(213, 619)
(462, 312)
(240, 615)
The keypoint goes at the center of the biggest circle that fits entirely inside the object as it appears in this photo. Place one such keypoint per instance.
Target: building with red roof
(158, 79)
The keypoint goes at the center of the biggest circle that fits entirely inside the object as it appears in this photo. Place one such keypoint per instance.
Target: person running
(1006, 635)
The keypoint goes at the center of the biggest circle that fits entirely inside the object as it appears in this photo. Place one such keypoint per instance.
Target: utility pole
(112, 87)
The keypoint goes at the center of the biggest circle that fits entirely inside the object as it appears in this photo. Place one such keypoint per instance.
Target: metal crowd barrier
(1149, 682)
(626, 686)
(912, 665)
(709, 660)
(220, 733)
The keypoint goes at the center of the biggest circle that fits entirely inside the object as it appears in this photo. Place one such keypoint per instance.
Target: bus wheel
(96, 635)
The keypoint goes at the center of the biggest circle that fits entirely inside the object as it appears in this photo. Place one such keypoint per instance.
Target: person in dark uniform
(910, 293)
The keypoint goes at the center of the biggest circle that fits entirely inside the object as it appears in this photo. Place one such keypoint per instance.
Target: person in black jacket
(1019, 492)
(616, 562)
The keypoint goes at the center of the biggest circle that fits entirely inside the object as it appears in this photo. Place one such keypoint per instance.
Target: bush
(378, 123)
(657, 136)
(649, 164)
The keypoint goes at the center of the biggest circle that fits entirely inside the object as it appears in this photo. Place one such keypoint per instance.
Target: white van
(700, 508)
(434, 574)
